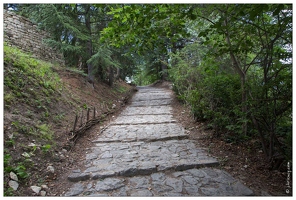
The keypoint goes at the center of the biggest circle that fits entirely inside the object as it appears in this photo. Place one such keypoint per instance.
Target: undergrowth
(30, 90)
(40, 100)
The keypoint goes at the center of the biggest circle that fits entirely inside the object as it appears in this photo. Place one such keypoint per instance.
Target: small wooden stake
(94, 113)
(87, 116)
(81, 118)
(75, 123)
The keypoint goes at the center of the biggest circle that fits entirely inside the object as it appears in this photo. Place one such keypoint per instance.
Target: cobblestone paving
(144, 152)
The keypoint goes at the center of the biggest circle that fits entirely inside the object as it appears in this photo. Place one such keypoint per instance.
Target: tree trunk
(244, 104)
(271, 144)
(89, 45)
(117, 75)
(263, 143)
(242, 74)
(111, 76)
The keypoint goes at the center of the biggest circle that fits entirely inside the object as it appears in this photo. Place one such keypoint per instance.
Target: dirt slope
(39, 111)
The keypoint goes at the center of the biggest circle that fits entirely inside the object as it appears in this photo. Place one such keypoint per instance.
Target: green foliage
(20, 127)
(20, 169)
(7, 158)
(75, 30)
(85, 106)
(45, 148)
(8, 192)
(21, 70)
(108, 58)
(60, 20)
(45, 132)
(103, 57)
(146, 75)
(33, 83)
(212, 94)
(77, 71)
(145, 25)
(232, 63)
(119, 89)
(42, 131)
(240, 81)
(58, 117)
(10, 142)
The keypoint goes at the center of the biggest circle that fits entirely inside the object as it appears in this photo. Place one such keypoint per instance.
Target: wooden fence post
(75, 122)
(81, 118)
(87, 116)
(94, 116)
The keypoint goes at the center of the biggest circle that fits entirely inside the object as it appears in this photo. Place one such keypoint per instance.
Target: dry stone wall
(22, 33)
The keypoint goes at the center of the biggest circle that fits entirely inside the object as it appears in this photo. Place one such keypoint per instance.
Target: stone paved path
(144, 152)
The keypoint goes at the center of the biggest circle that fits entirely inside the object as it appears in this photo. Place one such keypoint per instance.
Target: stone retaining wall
(22, 33)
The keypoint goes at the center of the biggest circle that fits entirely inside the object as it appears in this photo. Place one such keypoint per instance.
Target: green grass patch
(119, 89)
(23, 75)
(45, 132)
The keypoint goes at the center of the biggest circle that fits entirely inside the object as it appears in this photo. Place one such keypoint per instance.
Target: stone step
(191, 182)
(142, 132)
(151, 96)
(143, 119)
(145, 153)
(152, 102)
(149, 110)
(143, 89)
(162, 138)
(142, 158)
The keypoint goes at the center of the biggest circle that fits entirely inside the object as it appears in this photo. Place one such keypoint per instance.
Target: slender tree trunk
(111, 76)
(89, 45)
(90, 66)
(271, 144)
(242, 74)
(244, 107)
(117, 75)
(263, 143)
(244, 104)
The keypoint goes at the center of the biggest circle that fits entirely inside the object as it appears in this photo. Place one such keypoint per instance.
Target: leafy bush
(214, 92)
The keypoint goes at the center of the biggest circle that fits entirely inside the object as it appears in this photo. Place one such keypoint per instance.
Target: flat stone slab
(142, 132)
(191, 182)
(149, 110)
(140, 158)
(151, 96)
(145, 153)
(143, 89)
(143, 119)
(152, 102)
